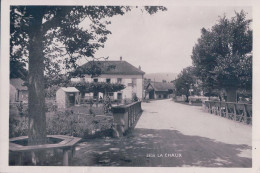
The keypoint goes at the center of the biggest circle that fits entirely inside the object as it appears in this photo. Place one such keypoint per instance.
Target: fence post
(235, 112)
(219, 110)
(245, 114)
(230, 110)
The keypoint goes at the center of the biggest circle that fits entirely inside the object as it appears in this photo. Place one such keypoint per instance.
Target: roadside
(172, 134)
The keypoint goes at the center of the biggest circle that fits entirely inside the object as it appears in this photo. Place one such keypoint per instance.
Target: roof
(111, 67)
(161, 86)
(69, 89)
(18, 84)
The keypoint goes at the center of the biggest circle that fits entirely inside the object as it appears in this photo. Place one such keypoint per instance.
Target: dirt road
(173, 135)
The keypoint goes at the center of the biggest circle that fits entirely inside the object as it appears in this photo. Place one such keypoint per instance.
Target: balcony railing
(235, 111)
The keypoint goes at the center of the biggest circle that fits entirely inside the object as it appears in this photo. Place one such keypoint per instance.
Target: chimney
(139, 67)
(121, 58)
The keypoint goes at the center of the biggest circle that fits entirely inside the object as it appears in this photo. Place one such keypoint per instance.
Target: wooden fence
(235, 111)
(126, 117)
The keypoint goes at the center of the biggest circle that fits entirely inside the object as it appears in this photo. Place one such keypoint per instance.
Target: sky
(162, 42)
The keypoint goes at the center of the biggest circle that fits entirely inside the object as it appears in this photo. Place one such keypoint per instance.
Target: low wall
(180, 98)
(126, 117)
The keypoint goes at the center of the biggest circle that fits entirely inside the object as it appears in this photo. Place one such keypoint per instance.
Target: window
(119, 80)
(134, 81)
(111, 95)
(119, 96)
(95, 95)
(95, 80)
(108, 80)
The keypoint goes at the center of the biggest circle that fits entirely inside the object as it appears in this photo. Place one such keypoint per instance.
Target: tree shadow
(167, 148)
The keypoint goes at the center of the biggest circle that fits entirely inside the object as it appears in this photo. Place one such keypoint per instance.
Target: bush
(50, 92)
(79, 125)
(67, 122)
(51, 107)
(18, 126)
(18, 109)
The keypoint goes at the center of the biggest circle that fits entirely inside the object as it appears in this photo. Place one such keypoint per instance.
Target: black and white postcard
(129, 86)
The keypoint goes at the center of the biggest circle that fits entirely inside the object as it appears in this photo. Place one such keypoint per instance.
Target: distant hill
(159, 77)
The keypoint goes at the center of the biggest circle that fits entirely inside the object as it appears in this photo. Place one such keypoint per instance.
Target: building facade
(18, 91)
(159, 90)
(120, 72)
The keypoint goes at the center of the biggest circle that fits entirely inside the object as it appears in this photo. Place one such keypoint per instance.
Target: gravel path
(173, 135)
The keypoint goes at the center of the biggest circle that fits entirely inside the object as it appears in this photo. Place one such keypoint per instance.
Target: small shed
(67, 96)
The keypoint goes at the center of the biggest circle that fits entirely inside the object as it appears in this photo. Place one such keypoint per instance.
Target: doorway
(119, 96)
(71, 99)
(151, 94)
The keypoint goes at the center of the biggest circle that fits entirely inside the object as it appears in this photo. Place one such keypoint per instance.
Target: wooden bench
(67, 143)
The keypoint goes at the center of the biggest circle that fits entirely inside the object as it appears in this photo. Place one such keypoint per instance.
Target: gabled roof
(18, 84)
(112, 67)
(161, 86)
(69, 89)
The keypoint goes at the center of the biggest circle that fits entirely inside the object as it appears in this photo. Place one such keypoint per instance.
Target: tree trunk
(187, 98)
(36, 95)
(231, 94)
(36, 98)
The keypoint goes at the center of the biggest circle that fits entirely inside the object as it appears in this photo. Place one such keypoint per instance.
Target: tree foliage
(18, 70)
(65, 40)
(185, 81)
(51, 39)
(103, 87)
(223, 54)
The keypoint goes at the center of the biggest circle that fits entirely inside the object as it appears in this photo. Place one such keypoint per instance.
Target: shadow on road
(169, 148)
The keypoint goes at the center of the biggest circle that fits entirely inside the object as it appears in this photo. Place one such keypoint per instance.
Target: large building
(113, 72)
